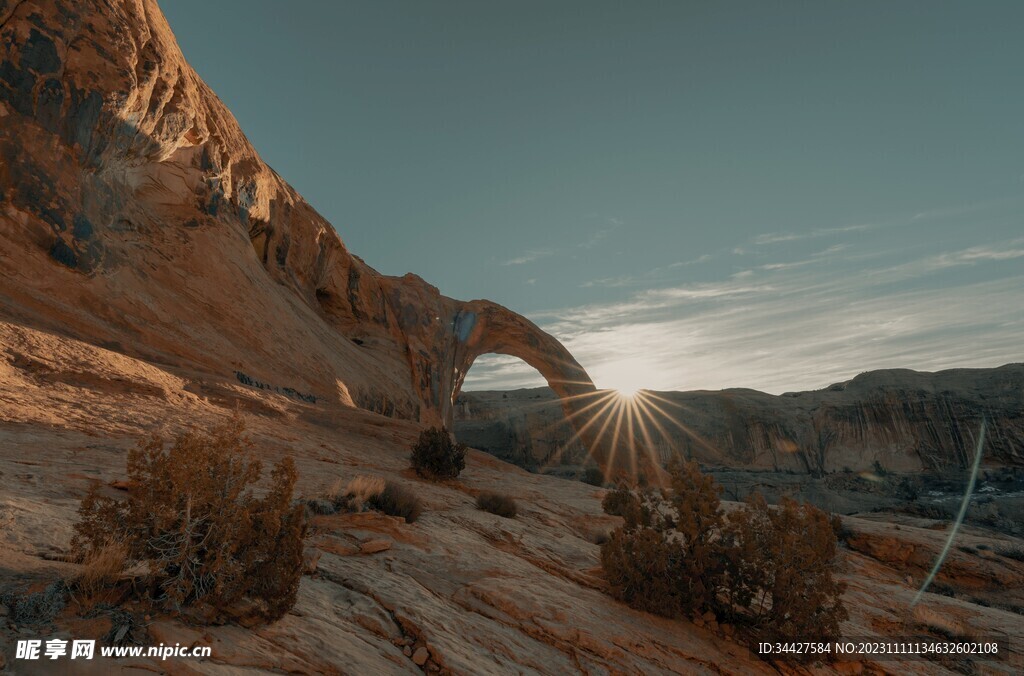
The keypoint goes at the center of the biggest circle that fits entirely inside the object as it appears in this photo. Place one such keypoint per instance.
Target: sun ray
(648, 440)
(686, 430)
(608, 402)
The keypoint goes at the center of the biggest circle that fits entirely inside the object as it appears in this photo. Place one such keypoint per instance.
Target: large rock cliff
(134, 214)
(903, 420)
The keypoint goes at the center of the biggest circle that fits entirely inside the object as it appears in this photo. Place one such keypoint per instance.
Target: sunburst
(626, 431)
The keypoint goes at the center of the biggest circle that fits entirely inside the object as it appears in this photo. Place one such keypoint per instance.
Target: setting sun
(626, 376)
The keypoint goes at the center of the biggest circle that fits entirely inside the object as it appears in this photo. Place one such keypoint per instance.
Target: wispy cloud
(703, 258)
(646, 278)
(796, 325)
(777, 237)
(529, 257)
(602, 234)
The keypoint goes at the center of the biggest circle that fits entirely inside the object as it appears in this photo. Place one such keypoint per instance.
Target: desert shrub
(665, 558)
(768, 570)
(593, 476)
(36, 608)
(437, 456)
(497, 503)
(193, 518)
(397, 500)
(1015, 552)
(778, 565)
(321, 506)
(908, 489)
(841, 529)
(629, 505)
(362, 490)
(370, 492)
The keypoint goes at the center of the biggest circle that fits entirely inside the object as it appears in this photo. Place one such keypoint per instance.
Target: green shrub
(192, 516)
(437, 456)
(497, 503)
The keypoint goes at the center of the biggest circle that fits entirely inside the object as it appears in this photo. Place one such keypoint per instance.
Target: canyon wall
(902, 420)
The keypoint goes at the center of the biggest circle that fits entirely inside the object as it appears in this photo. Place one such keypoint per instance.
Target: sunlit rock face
(903, 420)
(136, 215)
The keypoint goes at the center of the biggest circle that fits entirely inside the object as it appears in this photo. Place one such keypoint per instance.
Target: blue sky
(689, 195)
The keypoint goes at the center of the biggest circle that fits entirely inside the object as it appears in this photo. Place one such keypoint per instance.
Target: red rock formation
(136, 215)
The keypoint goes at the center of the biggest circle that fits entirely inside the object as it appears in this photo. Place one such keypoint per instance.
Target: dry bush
(769, 570)
(369, 492)
(397, 500)
(362, 490)
(36, 608)
(436, 456)
(497, 503)
(193, 518)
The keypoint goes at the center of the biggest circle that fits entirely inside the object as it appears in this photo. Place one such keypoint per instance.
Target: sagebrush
(215, 547)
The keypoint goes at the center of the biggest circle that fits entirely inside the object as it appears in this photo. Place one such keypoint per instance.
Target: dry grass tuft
(102, 567)
(362, 490)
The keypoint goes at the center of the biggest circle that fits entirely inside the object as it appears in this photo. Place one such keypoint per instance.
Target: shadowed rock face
(136, 215)
(903, 420)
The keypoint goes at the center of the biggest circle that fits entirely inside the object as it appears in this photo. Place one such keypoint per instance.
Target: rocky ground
(460, 590)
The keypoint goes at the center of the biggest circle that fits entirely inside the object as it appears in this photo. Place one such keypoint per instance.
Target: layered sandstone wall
(903, 420)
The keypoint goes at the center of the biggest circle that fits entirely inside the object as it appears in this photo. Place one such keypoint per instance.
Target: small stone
(709, 617)
(374, 546)
(408, 651)
(420, 657)
(3, 610)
